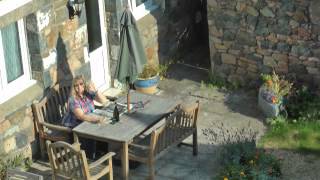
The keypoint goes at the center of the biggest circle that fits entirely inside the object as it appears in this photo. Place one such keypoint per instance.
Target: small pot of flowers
(148, 79)
(272, 93)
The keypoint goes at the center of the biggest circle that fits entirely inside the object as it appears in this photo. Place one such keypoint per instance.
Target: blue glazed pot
(148, 85)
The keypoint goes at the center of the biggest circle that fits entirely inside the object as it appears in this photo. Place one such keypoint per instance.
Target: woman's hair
(74, 81)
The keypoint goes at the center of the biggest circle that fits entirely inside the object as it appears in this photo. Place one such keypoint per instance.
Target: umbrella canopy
(131, 56)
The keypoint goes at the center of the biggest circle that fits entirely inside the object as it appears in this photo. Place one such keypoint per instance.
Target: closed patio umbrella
(131, 54)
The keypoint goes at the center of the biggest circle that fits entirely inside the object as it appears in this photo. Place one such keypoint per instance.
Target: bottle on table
(116, 113)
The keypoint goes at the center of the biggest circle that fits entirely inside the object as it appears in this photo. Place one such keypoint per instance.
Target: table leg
(125, 161)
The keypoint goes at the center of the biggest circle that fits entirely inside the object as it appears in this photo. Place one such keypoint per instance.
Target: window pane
(93, 24)
(12, 53)
(139, 2)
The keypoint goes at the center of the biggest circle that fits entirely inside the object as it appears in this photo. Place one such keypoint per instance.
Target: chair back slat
(53, 106)
(68, 161)
(191, 114)
(63, 92)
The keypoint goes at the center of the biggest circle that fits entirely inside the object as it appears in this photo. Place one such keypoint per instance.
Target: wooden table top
(130, 124)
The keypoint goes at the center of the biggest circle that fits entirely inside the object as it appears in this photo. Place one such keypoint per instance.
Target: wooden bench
(178, 125)
(48, 113)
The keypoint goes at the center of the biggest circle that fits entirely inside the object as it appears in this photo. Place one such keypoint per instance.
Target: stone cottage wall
(56, 43)
(17, 134)
(56, 53)
(255, 36)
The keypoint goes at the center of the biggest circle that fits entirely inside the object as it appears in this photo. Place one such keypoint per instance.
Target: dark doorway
(195, 51)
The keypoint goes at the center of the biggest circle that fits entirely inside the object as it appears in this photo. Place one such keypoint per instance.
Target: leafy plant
(215, 81)
(17, 161)
(163, 69)
(242, 160)
(149, 70)
(276, 86)
(276, 122)
(303, 105)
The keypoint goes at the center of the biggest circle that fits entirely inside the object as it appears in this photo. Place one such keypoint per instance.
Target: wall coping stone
(20, 101)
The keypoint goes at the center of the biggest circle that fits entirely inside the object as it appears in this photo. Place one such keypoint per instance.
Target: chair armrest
(56, 127)
(139, 146)
(101, 160)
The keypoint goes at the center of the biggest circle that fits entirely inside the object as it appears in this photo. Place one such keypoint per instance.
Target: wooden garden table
(130, 124)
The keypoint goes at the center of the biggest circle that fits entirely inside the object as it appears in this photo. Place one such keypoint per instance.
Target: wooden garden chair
(70, 162)
(48, 113)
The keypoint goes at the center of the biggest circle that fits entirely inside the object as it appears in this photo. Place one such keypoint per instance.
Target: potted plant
(272, 93)
(148, 79)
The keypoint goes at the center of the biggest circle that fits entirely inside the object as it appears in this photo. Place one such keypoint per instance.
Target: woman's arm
(99, 97)
(78, 112)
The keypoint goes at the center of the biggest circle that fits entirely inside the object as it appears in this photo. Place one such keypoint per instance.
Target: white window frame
(8, 90)
(142, 9)
(7, 6)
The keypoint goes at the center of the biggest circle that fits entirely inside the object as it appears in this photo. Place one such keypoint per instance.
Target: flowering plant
(276, 87)
(244, 161)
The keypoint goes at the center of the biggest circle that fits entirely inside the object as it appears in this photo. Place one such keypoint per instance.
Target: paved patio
(219, 111)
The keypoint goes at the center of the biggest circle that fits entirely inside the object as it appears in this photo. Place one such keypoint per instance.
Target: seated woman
(80, 103)
(81, 106)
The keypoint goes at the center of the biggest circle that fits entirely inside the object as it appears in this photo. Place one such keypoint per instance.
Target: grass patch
(300, 136)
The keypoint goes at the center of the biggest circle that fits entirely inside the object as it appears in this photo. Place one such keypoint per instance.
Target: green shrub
(276, 123)
(215, 81)
(17, 161)
(243, 161)
(163, 69)
(303, 105)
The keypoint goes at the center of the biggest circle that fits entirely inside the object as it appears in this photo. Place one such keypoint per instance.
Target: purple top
(86, 104)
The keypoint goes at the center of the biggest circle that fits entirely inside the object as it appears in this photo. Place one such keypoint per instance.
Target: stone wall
(56, 43)
(255, 36)
(56, 48)
(17, 133)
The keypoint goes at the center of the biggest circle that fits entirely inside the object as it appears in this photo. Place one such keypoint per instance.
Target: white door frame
(101, 51)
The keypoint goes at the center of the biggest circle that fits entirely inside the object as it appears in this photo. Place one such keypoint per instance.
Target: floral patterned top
(86, 104)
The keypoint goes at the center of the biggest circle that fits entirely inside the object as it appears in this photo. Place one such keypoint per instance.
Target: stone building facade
(58, 48)
(251, 37)
(55, 53)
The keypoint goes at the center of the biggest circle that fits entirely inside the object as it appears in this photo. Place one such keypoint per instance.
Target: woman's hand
(97, 119)
(91, 87)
